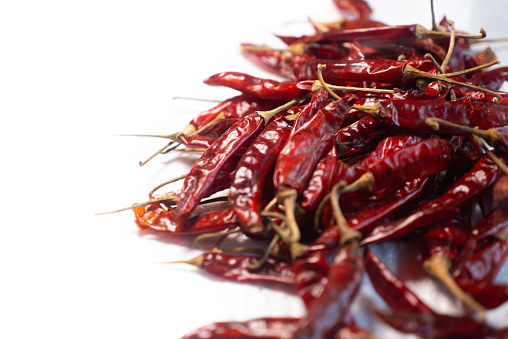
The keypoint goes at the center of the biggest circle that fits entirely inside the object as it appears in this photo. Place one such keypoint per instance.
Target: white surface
(73, 74)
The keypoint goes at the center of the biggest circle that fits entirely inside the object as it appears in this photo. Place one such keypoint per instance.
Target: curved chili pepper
(265, 89)
(387, 146)
(390, 288)
(266, 328)
(252, 172)
(307, 145)
(319, 181)
(317, 102)
(406, 164)
(477, 272)
(326, 314)
(360, 136)
(490, 225)
(311, 276)
(462, 192)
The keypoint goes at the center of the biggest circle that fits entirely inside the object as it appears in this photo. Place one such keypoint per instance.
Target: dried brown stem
(166, 198)
(153, 190)
(438, 267)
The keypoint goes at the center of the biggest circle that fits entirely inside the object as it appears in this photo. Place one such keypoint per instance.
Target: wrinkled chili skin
(360, 136)
(196, 141)
(252, 172)
(410, 115)
(318, 101)
(265, 89)
(209, 165)
(478, 271)
(387, 146)
(311, 276)
(326, 314)
(261, 328)
(307, 145)
(420, 160)
(233, 267)
(390, 288)
(383, 71)
(483, 175)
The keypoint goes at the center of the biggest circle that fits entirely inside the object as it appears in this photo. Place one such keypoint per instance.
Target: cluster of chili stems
(379, 133)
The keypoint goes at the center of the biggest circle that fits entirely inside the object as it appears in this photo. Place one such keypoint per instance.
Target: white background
(74, 74)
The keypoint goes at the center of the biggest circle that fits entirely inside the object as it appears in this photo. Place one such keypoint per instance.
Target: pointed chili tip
(196, 261)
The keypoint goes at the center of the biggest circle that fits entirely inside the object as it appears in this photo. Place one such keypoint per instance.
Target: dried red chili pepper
(326, 314)
(462, 192)
(390, 288)
(211, 162)
(478, 271)
(387, 146)
(159, 218)
(266, 328)
(410, 115)
(307, 145)
(265, 89)
(383, 71)
(317, 102)
(232, 266)
(311, 276)
(437, 326)
(360, 137)
(252, 172)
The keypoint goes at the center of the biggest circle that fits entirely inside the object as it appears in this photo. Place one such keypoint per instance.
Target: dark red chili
(265, 89)
(261, 328)
(311, 276)
(326, 314)
(299, 157)
(252, 172)
(387, 146)
(235, 267)
(360, 137)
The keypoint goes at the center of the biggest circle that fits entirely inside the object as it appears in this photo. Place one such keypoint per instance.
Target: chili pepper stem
(347, 234)
(288, 198)
(490, 135)
(448, 57)
(267, 115)
(363, 183)
(438, 267)
(423, 33)
(424, 78)
(317, 85)
(502, 166)
(169, 197)
(153, 190)
(212, 235)
(266, 254)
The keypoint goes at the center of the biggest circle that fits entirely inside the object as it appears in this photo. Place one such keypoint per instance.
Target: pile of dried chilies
(379, 133)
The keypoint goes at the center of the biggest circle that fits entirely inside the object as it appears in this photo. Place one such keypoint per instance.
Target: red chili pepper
(265, 89)
(390, 288)
(360, 137)
(196, 141)
(493, 223)
(326, 314)
(159, 218)
(387, 146)
(307, 145)
(236, 267)
(461, 193)
(446, 239)
(311, 276)
(410, 115)
(383, 71)
(437, 326)
(212, 161)
(493, 296)
(236, 107)
(252, 172)
(478, 271)
(266, 328)
(318, 101)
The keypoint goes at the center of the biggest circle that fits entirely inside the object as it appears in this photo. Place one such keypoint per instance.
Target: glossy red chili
(326, 314)
(254, 170)
(311, 276)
